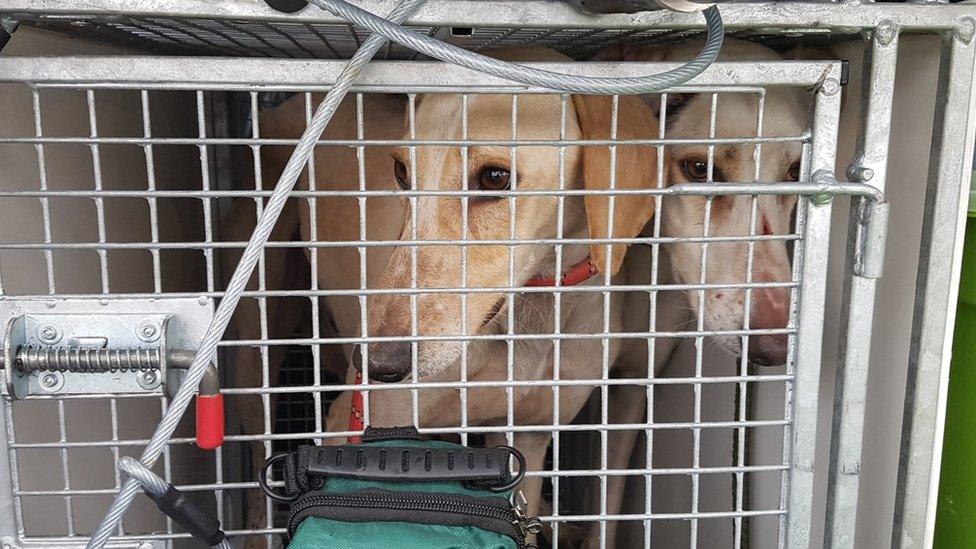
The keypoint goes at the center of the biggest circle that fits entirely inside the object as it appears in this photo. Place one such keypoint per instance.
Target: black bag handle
(308, 467)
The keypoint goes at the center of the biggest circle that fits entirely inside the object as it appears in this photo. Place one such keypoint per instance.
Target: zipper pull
(525, 523)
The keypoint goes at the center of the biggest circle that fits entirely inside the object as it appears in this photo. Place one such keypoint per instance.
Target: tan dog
(438, 117)
(786, 113)
(439, 314)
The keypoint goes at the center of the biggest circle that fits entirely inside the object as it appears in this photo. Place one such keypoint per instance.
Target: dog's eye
(793, 174)
(695, 170)
(494, 178)
(400, 172)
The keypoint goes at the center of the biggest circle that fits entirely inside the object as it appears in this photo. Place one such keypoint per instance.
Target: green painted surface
(956, 520)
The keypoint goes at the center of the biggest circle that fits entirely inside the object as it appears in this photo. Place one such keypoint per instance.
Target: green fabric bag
(319, 533)
(395, 490)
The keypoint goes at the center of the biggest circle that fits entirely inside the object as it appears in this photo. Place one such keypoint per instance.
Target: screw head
(48, 333)
(148, 380)
(147, 330)
(51, 381)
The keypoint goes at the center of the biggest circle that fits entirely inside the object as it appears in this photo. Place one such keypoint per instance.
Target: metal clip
(525, 524)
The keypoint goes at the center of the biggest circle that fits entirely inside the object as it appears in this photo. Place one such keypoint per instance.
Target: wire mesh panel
(504, 265)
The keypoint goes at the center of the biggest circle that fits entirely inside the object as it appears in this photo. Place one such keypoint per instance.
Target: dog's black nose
(388, 362)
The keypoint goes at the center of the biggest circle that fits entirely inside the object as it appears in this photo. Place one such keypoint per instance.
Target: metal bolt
(886, 33)
(860, 173)
(49, 333)
(148, 380)
(149, 330)
(203, 300)
(49, 381)
(830, 86)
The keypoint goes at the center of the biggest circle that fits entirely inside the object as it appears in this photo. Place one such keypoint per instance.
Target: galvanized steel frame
(937, 287)
(948, 183)
(851, 16)
(159, 73)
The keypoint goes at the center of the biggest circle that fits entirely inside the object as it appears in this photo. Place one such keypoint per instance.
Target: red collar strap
(578, 273)
(356, 422)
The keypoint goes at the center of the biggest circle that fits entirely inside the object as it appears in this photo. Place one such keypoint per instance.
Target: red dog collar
(356, 422)
(579, 273)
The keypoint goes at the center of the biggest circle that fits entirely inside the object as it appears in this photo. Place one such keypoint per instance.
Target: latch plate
(152, 327)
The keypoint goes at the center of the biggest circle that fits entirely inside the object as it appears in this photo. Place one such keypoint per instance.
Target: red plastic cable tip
(210, 421)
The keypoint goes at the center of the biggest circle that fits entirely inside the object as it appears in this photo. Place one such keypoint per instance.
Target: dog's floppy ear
(647, 53)
(635, 167)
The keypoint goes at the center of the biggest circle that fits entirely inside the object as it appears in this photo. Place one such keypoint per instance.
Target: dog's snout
(388, 362)
(770, 310)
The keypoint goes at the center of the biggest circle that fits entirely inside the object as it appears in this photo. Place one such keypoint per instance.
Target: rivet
(830, 86)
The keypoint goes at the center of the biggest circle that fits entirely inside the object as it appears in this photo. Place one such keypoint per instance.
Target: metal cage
(144, 233)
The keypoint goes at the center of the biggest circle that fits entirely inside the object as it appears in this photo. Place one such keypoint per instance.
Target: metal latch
(93, 346)
(871, 219)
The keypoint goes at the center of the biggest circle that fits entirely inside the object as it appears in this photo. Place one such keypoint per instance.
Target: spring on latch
(30, 358)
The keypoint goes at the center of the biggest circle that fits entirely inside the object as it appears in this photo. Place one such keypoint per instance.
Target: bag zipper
(511, 524)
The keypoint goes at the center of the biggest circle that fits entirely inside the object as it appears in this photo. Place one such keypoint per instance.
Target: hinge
(99, 346)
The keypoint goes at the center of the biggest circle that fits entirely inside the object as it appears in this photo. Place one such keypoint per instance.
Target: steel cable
(537, 77)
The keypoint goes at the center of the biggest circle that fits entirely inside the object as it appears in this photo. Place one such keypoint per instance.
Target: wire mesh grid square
(170, 219)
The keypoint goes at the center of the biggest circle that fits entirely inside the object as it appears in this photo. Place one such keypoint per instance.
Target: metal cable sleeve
(151, 482)
(242, 273)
